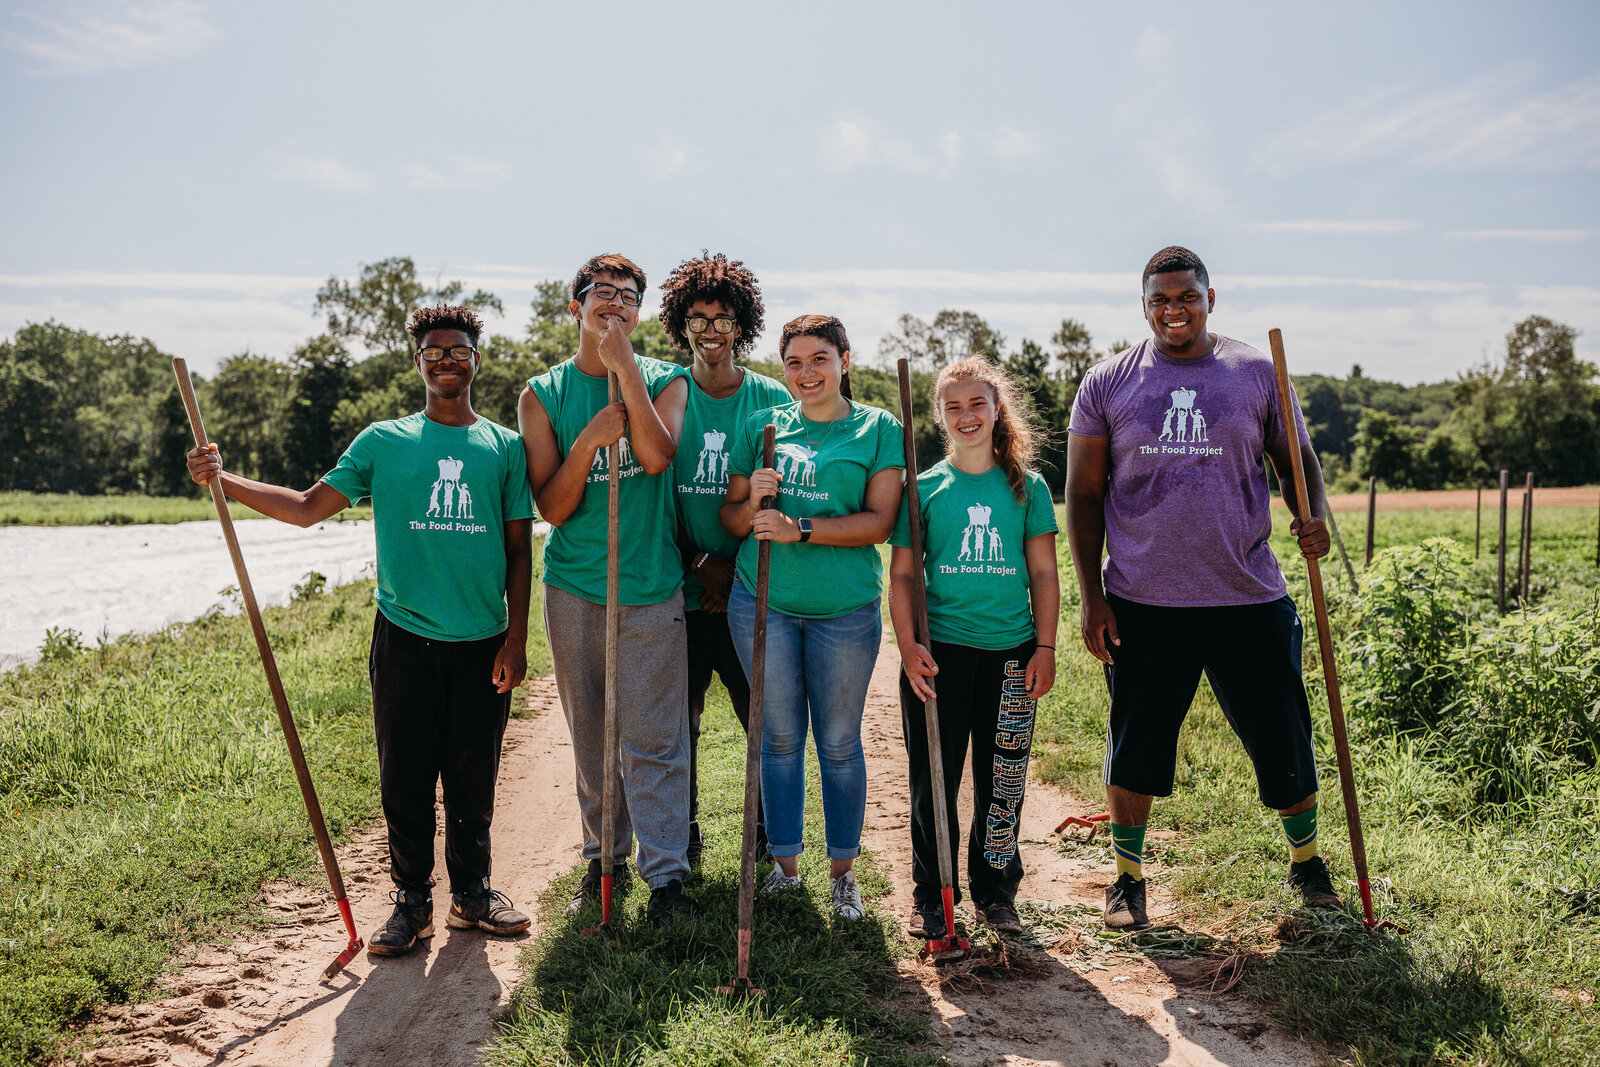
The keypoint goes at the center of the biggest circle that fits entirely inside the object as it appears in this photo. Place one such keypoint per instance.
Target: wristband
(701, 562)
(1052, 648)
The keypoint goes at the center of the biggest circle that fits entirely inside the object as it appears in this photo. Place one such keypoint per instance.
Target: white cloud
(1494, 120)
(329, 174)
(92, 36)
(1011, 145)
(853, 143)
(1521, 235)
(460, 172)
(1337, 226)
(668, 157)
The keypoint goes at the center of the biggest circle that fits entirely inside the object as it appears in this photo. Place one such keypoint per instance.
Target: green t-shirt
(575, 551)
(710, 429)
(973, 531)
(825, 468)
(441, 496)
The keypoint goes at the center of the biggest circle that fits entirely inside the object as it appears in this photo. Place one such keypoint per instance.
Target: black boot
(412, 918)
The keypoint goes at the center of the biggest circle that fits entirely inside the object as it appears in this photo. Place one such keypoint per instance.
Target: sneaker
(927, 922)
(1125, 904)
(488, 910)
(697, 843)
(1315, 884)
(776, 881)
(671, 906)
(589, 888)
(1000, 916)
(847, 897)
(412, 918)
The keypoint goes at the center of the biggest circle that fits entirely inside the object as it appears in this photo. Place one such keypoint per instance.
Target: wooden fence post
(1505, 484)
(1372, 512)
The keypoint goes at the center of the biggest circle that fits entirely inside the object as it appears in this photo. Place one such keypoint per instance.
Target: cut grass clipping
(146, 797)
(650, 996)
(1475, 743)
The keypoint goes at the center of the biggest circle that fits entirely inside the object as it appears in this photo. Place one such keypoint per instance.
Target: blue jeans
(817, 672)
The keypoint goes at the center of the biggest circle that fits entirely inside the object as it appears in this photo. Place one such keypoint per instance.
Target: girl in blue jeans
(837, 480)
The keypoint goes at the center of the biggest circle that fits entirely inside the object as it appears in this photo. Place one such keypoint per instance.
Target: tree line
(82, 413)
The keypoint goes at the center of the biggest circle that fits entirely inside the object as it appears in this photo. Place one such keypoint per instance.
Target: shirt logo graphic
(1191, 423)
(706, 468)
(801, 466)
(979, 535)
(598, 467)
(457, 502)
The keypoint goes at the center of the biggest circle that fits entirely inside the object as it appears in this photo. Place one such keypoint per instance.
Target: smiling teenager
(568, 424)
(1163, 472)
(711, 308)
(452, 516)
(837, 482)
(989, 531)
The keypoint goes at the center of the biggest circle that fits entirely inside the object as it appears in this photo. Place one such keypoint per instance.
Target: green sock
(1128, 843)
(1301, 831)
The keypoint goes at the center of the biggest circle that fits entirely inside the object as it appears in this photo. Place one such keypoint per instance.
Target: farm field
(144, 793)
(69, 509)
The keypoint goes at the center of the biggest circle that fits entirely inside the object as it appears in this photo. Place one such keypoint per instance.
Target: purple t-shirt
(1187, 510)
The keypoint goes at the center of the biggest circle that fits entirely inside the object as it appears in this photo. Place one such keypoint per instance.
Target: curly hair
(728, 282)
(826, 327)
(450, 317)
(1017, 435)
(1175, 258)
(613, 263)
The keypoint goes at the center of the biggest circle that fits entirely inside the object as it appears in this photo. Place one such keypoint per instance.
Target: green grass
(69, 509)
(146, 797)
(649, 996)
(1503, 902)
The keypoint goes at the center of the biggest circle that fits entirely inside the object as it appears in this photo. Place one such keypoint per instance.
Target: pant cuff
(842, 853)
(785, 850)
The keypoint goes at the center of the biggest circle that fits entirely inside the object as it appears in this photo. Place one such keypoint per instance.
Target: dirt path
(1467, 499)
(259, 1002)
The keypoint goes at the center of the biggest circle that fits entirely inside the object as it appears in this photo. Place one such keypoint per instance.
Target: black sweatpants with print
(983, 702)
(711, 651)
(437, 716)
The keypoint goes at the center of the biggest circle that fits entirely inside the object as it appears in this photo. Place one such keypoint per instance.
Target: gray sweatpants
(652, 724)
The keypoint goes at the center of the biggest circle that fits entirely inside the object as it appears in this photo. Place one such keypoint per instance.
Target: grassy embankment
(69, 509)
(1475, 744)
(144, 796)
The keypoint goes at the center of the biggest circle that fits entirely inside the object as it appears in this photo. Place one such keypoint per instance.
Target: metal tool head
(741, 987)
(947, 949)
(349, 953)
(1089, 822)
(605, 927)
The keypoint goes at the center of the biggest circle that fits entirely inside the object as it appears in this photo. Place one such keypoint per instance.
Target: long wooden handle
(608, 812)
(919, 614)
(752, 740)
(269, 663)
(1330, 670)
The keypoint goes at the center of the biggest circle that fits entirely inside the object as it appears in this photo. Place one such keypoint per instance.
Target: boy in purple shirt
(1163, 473)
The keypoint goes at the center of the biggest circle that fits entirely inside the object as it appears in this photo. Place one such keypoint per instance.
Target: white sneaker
(847, 897)
(777, 881)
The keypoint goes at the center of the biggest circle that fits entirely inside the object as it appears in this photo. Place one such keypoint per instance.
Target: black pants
(436, 715)
(711, 650)
(982, 699)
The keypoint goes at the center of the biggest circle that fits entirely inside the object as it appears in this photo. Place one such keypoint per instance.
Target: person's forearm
(652, 445)
(562, 494)
(736, 516)
(900, 607)
(519, 586)
(279, 502)
(1316, 493)
(852, 531)
(1086, 536)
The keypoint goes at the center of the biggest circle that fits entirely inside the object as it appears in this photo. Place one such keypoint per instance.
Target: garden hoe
(1088, 822)
(742, 986)
(269, 664)
(1330, 672)
(608, 800)
(952, 946)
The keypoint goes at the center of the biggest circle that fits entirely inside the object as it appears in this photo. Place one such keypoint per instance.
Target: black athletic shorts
(1251, 655)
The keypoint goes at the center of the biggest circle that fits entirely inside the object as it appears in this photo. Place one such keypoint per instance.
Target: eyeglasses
(460, 353)
(698, 324)
(611, 292)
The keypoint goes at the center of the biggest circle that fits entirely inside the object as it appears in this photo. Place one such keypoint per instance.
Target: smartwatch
(805, 530)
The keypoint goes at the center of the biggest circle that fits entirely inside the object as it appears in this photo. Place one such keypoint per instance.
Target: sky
(1392, 185)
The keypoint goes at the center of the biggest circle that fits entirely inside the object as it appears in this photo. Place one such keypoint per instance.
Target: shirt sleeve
(1088, 410)
(515, 492)
(891, 445)
(352, 477)
(1040, 518)
(741, 458)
